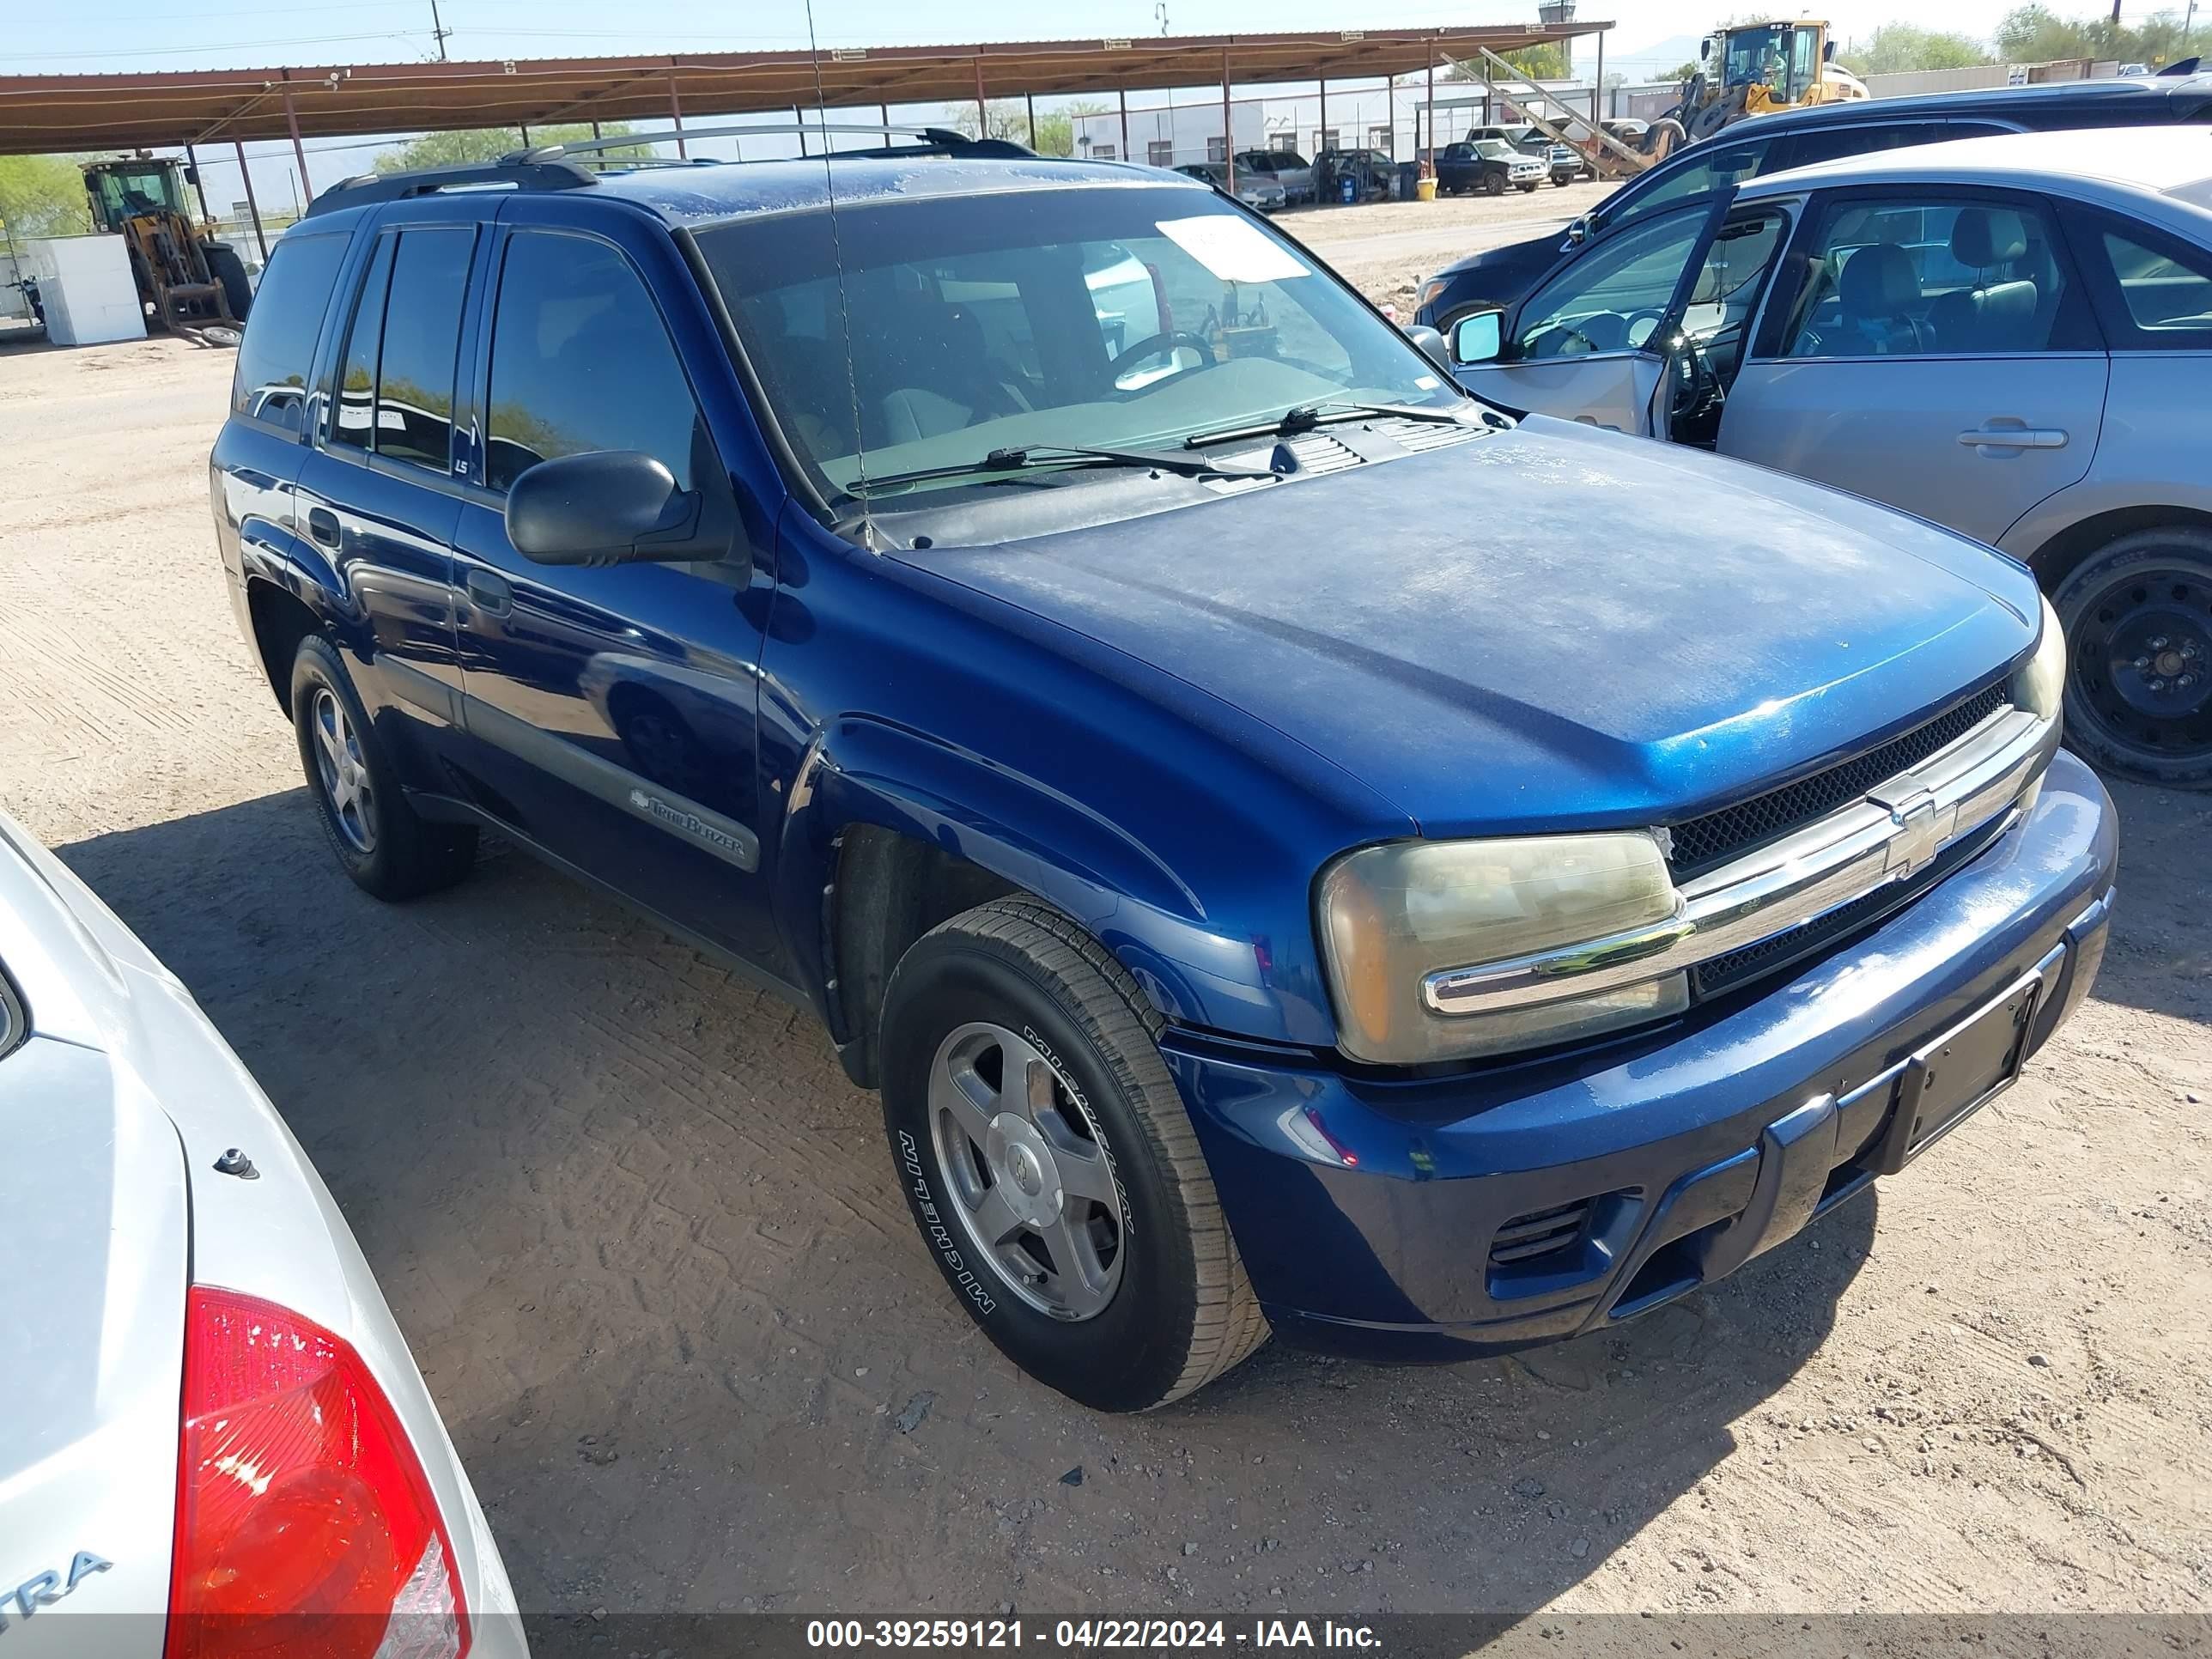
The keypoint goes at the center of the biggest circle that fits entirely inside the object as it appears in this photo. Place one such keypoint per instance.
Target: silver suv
(2010, 336)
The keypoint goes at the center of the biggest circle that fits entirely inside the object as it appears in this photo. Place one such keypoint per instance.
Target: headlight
(1391, 917)
(1432, 290)
(2040, 686)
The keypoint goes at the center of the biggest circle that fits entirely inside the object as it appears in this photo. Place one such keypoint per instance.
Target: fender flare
(865, 771)
(272, 553)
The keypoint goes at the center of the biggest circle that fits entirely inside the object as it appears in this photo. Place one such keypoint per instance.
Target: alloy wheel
(343, 773)
(1033, 1187)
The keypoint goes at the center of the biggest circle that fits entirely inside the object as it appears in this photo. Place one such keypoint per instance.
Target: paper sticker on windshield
(1231, 249)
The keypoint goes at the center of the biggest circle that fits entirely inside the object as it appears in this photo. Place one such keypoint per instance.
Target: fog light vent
(1540, 1233)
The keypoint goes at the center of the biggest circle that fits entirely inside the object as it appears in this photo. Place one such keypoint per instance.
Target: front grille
(1767, 956)
(1704, 843)
(1540, 1233)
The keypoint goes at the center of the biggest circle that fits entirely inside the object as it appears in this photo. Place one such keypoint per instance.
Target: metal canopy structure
(50, 113)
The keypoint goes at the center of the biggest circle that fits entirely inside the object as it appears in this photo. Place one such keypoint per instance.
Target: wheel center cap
(1028, 1179)
(2169, 662)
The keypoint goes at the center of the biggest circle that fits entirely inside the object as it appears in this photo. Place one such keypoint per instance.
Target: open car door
(1598, 342)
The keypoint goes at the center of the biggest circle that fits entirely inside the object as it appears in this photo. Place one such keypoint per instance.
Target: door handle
(323, 526)
(2015, 437)
(488, 591)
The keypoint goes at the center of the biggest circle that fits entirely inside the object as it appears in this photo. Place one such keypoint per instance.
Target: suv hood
(1547, 628)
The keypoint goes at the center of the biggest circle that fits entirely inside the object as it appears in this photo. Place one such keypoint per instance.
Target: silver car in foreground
(212, 1422)
(2010, 336)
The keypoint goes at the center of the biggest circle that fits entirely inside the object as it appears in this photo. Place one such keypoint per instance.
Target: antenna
(844, 305)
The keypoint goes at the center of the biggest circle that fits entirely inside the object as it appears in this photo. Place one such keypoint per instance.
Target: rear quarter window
(278, 351)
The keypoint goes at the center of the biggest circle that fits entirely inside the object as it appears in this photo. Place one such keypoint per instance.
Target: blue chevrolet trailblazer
(1297, 849)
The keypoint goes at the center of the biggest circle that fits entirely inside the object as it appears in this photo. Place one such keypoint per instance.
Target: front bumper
(1392, 1218)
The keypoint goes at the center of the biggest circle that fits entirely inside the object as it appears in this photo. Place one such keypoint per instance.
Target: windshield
(1115, 316)
(1777, 55)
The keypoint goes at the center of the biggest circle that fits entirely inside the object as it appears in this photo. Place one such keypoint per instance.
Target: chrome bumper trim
(1887, 835)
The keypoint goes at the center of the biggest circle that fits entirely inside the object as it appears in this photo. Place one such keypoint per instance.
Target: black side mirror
(1432, 345)
(615, 506)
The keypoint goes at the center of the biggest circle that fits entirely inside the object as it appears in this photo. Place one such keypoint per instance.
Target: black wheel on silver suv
(1050, 1165)
(2138, 620)
(384, 845)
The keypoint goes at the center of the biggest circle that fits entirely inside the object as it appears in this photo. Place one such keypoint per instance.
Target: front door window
(1611, 299)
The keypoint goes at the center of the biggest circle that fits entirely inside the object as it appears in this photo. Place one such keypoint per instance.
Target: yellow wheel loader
(186, 279)
(1754, 68)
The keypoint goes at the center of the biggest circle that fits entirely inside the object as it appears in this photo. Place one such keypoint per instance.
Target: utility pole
(438, 30)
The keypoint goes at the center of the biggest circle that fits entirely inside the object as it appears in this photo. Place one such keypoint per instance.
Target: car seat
(1877, 293)
(1990, 316)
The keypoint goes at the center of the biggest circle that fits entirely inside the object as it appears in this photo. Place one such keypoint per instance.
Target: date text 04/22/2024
(1087, 1633)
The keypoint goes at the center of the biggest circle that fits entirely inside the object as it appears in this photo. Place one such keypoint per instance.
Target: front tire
(390, 850)
(1493, 184)
(2138, 619)
(228, 269)
(1050, 1165)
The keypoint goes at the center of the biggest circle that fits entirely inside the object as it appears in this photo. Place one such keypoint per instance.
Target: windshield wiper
(1033, 455)
(1305, 417)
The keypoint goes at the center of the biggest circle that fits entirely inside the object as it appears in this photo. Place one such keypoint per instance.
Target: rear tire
(390, 851)
(1091, 1111)
(2138, 619)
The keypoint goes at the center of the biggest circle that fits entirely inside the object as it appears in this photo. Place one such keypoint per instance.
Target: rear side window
(396, 379)
(422, 335)
(355, 424)
(1869, 138)
(2165, 290)
(278, 352)
(582, 361)
(1908, 275)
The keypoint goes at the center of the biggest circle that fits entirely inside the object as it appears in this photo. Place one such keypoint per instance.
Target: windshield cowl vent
(1307, 456)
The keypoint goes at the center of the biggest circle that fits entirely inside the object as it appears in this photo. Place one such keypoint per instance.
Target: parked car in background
(213, 1423)
(1285, 166)
(1257, 191)
(1297, 849)
(1487, 165)
(1775, 144)
(2010, 336)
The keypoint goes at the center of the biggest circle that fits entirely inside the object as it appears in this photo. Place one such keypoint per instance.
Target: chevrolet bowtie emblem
(1918, 834)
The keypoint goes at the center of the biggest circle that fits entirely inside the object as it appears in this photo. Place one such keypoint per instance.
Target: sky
(109, 35)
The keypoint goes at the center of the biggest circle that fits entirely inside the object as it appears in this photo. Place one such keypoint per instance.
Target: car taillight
(305, 1525)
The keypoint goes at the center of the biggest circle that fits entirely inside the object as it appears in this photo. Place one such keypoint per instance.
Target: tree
(1683, 71)
(1009, 118)
(1896, 48)
(2034, 34)
(480, 144)
(42, 196)
(1548, 62)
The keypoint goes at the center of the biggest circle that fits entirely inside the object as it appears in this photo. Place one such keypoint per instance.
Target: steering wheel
(1698, 390)
(1153, 345)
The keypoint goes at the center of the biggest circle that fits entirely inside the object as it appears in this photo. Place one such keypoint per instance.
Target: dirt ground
(647, 1243)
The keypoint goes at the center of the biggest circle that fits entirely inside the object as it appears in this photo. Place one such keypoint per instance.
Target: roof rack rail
(523, 172)
(935, 141)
